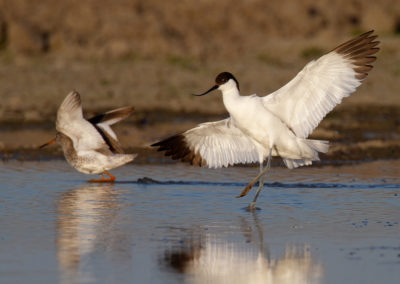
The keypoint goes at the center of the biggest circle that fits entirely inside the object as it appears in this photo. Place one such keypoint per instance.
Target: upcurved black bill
(210, 90)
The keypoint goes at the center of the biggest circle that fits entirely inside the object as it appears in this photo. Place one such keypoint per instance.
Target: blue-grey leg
(257, 178)
(260, 178)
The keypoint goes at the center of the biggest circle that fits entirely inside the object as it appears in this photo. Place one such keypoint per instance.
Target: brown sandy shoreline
(356, 134)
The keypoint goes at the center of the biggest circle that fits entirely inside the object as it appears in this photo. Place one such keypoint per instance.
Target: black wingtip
(177, 147)
(360, 51)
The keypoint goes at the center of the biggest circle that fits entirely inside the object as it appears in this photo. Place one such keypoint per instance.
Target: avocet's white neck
(229, 87)
(230, 92)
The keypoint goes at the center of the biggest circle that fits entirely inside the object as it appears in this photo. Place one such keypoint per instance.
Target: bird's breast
(255, 120)
(249, 111)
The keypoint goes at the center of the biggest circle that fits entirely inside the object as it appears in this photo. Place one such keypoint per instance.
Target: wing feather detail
(322, 84)
(213, 144)
(70, 122)
(105, 120)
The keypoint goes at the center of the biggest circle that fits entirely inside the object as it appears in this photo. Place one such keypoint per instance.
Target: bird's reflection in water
(208, 259)
(84, 228)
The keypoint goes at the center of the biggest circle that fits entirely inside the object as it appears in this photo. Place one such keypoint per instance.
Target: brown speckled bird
(90, 146)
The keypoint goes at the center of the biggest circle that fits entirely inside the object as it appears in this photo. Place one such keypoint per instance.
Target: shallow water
(314, 225)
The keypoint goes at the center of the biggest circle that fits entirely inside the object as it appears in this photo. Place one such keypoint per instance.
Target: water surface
(314, 225)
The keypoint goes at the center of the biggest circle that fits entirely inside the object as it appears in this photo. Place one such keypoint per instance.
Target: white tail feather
(316, 145)
(295, 163)
(119, 160)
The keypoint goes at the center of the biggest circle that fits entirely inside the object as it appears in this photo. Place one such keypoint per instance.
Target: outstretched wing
(70, 122)
(103, 124)
(215, 144)
(322, 84)
(105, 120)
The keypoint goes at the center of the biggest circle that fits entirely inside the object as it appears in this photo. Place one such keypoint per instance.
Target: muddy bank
(356, 134)
(201, 29)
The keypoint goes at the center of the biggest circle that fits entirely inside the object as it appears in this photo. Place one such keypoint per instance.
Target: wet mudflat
(183, 224)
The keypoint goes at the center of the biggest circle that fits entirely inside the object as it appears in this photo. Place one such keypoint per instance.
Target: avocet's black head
(224, 77)
(221, 79)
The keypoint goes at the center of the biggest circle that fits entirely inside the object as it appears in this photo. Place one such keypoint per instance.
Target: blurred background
(153, 54)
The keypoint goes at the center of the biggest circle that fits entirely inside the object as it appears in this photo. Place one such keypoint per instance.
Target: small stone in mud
(146, 180)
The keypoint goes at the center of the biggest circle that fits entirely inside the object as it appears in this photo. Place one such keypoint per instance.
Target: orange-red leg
(111, 179)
